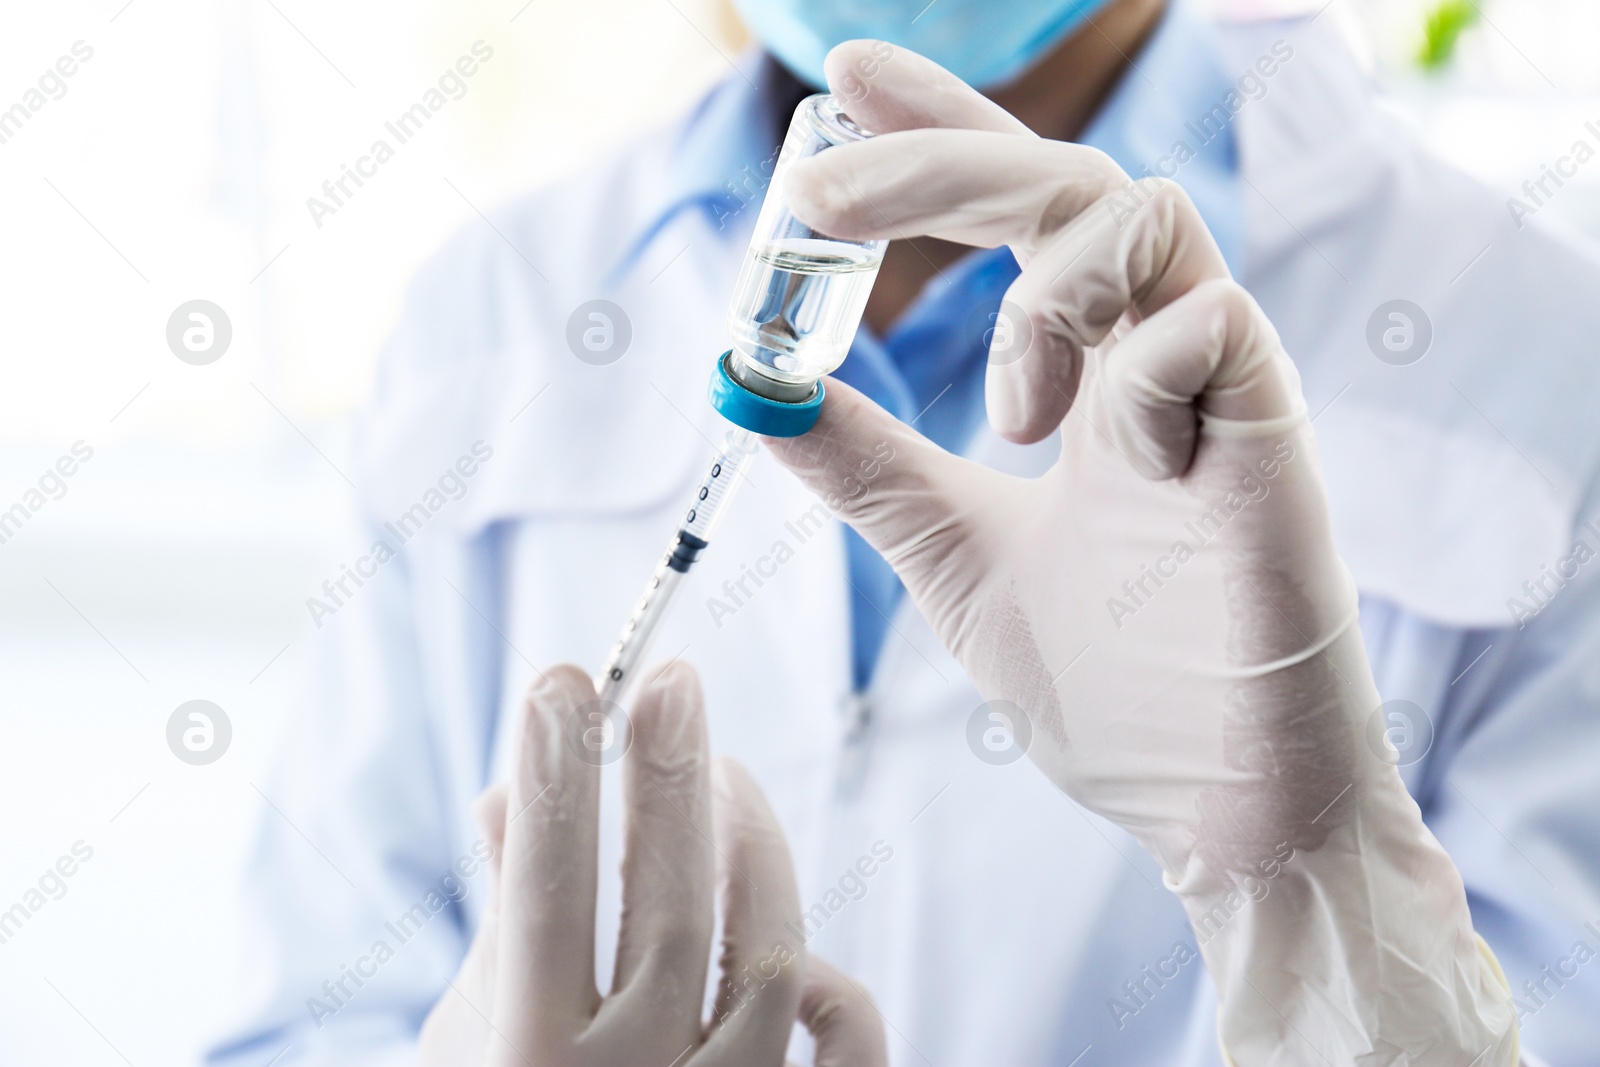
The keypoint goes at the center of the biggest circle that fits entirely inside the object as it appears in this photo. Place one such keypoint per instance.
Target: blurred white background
(176, 166)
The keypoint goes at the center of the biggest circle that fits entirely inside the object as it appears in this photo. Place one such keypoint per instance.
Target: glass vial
(801, 293)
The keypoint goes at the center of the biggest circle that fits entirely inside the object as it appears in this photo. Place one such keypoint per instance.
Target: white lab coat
(1007, 919)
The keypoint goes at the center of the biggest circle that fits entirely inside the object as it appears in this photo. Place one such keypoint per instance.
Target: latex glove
(525, 995)
(1165, 607)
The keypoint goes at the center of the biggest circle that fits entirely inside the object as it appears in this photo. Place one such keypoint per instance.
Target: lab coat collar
(721, 155)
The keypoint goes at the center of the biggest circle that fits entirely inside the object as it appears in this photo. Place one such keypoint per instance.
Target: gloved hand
(525, 995)
(1164, 610)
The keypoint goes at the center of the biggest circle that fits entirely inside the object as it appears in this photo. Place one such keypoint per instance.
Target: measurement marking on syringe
(691, 539)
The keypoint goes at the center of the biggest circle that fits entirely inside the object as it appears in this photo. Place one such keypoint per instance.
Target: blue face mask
(985, 43)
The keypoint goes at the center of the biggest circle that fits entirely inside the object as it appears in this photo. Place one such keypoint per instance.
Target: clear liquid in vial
(798, 305)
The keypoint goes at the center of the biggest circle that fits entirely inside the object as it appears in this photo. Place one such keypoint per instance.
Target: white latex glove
(525, 995)
(1165, 606)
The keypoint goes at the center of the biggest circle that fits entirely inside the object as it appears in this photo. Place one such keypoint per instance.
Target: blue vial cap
(769, 418)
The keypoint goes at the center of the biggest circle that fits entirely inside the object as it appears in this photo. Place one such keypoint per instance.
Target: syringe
(795, 311)
(711, 499)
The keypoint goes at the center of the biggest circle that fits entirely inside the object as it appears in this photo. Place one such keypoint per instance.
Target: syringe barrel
(628, 653)
(710, 503)
(726, 473)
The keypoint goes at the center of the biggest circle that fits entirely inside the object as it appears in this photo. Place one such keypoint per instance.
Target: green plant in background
(1442, 30)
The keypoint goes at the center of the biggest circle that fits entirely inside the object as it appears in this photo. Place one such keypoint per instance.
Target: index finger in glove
(975, 187)
(667, 874)
(1134, 251)
(842, 1019)
(1211, 358)
(489, 812)
(458, 1025)
(762, 960)
(544, 982)
(1093, 243)
(885, 88)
